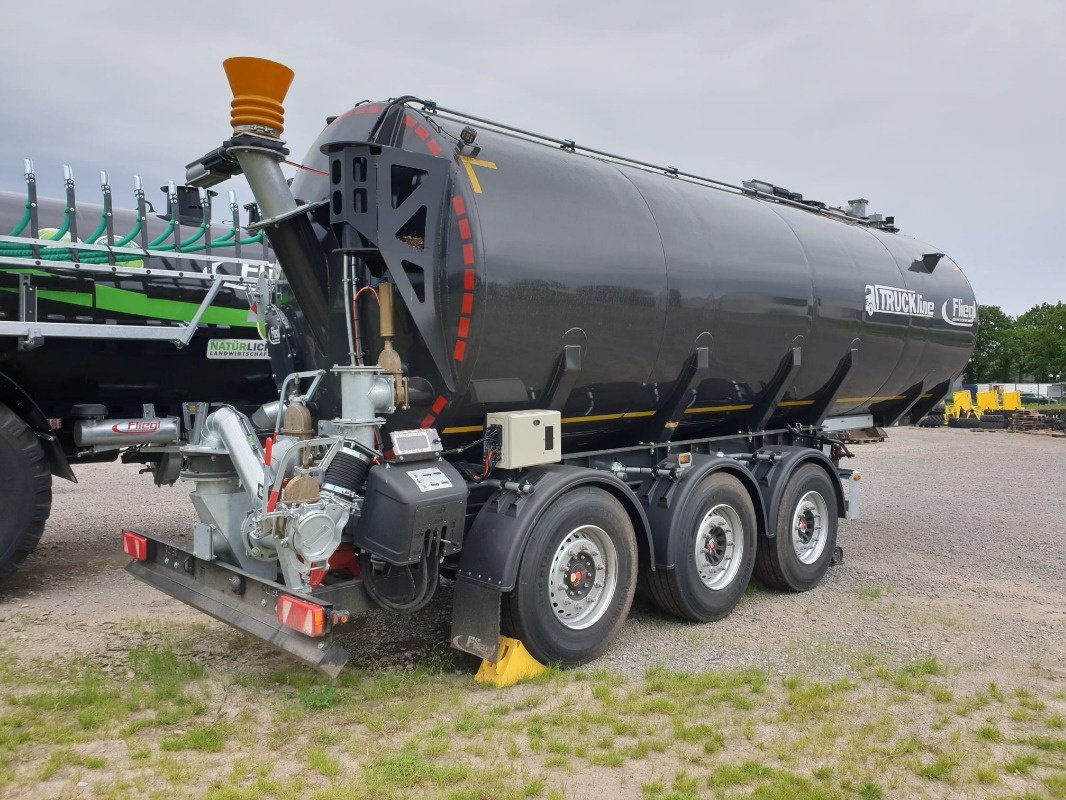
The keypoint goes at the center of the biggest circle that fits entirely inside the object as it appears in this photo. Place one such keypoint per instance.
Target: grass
(426, 731)
(205, 738)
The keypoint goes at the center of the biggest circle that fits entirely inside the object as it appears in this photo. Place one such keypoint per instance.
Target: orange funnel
(259, 88)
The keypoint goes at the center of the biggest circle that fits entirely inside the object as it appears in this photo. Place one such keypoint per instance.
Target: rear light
(302, 616)
(134, 545)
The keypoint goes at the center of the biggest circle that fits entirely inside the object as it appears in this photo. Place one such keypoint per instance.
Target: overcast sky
(949, 115)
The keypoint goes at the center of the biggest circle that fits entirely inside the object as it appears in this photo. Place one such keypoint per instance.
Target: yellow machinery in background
(988, 410)
(1011, 401)
(963, 407)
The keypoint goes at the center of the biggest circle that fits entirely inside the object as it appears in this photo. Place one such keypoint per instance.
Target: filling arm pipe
(259, 87)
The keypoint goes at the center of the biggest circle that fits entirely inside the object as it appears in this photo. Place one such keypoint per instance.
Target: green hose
(92, 237)
(187, 242)
(59, 234)
(154, 244)
(22, 223)
(129, 237)
(61, 254)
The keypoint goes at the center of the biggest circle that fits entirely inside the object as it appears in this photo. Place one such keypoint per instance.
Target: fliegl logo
(234, 349)
(892, 300)
(958, 312)
(136, 427)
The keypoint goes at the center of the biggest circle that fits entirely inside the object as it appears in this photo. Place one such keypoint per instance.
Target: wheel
(25, 492)
(798, 556)
(717, 533)
(575, 581)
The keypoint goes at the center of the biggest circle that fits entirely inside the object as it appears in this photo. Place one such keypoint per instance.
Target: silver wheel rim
(719, 547)
(810, 526)
(583, 577)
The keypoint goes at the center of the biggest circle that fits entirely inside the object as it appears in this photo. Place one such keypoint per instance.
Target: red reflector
(300, 615)
(134, 545)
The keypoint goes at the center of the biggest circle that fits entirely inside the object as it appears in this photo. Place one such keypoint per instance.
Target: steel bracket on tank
(828, 394)
(911, 398)
(373, 199)
(926, 400)
(661, 427)
(564, 374)
(771, 395)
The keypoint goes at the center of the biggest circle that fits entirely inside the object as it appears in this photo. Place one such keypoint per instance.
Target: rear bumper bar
(249, 603)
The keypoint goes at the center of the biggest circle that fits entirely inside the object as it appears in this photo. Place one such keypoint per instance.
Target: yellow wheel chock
(514, 665)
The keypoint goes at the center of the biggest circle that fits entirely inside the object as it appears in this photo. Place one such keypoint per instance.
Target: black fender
(495, 542)
(14, 397)
(663, 497)
(772, 479)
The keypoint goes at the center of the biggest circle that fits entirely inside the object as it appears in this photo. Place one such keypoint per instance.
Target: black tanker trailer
(97, 353)
(546, 374)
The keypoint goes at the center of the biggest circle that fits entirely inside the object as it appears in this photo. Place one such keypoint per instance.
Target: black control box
(406, 505)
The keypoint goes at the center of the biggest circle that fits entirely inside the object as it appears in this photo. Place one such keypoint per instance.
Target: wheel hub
(716, 547)
(719, 547)
(582, 577)
(810, 527)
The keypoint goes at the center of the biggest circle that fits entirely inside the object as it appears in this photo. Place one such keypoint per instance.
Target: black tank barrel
(641, 305)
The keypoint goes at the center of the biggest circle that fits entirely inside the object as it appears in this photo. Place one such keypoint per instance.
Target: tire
(808, 500)
(25, 492)
(964, 422)
(708, 583)
(558, 608)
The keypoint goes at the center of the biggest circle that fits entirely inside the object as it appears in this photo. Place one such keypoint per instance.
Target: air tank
(640, 304)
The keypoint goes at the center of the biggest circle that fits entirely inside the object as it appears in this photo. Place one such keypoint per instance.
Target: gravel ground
(959, 553)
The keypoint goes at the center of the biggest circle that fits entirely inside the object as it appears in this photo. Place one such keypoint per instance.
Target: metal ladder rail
(32, 332)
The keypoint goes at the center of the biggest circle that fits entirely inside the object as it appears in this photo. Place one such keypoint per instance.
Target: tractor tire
(964, 422)
(715, 555)
(25, 492)
(576, 579)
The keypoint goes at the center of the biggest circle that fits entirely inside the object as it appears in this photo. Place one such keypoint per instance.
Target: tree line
(1031, 346)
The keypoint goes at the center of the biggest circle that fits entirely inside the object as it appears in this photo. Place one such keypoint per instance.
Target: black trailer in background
(111, 320)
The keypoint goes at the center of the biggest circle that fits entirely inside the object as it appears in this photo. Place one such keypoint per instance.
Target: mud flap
(208, 587)
(476, 620)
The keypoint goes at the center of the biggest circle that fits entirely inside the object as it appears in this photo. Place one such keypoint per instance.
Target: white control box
(526, 438)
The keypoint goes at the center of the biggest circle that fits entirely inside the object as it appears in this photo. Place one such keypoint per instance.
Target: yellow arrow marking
(469, 162)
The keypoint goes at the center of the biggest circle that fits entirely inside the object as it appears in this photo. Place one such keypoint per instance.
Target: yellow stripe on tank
(638, 414)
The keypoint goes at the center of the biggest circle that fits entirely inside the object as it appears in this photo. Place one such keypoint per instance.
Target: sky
(951, 116)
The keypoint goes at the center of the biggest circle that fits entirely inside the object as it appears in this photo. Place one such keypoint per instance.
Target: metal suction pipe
(231, 429)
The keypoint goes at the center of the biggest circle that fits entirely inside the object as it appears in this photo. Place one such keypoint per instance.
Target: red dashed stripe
(464, 230)
(458, 204)
(460, 350)
(464, 327)
(438, 406)
(468, 278)
(468, 254)
(468, 303)
(433, 146)
(421, 133)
